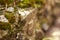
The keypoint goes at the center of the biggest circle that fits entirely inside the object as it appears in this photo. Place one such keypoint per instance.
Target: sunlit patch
(22, 13)
(48, 38)
(57, 33)
(27, 12)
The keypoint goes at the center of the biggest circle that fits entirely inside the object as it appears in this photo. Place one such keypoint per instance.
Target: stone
(10, 9)
(3, 19)
(45, 26)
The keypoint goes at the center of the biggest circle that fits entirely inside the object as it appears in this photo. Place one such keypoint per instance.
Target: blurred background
(29, 19)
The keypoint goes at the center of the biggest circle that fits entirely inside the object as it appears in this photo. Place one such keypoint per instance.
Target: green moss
(5, 26)
(10, 17)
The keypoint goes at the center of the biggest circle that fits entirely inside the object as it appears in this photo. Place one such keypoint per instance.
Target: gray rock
(10, 9)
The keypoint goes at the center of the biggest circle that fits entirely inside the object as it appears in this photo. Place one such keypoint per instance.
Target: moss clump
(10, 17)
(5, 26)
